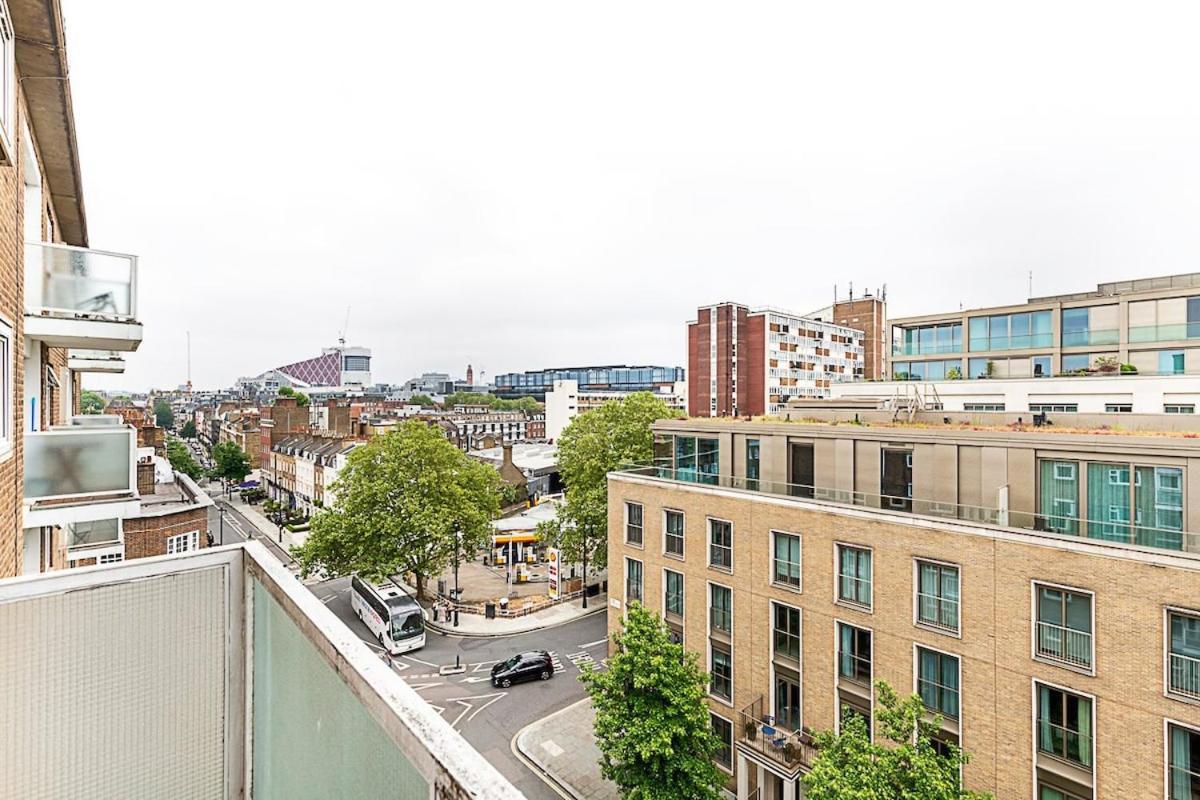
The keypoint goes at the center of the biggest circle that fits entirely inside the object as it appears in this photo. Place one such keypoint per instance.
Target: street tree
(402, 500)
(850, 766)
(90, 402)
(163, 416)
(189, 430)
(230, 463)
(652, 720)
(181, 459)
(612, 436)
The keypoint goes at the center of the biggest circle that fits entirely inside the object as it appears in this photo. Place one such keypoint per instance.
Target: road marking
(593, 644)
(482, 665)
(328, 598)
(474, 679)
(469, 703)
(417, 687)
(424, 663)
(558, 665)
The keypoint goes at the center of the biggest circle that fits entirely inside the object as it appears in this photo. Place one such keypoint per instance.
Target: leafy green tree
(286, 391)
(230, 462)
(401, 500)
(849, 766)
(652, 720)
(301, 399)
(181, 459)
(163, 416)
(423, 400)
(90, 402)
(189, 430)
(491, 401)
(607, 438)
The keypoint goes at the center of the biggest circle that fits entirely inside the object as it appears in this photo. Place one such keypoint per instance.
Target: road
(237, 528)
(486, 716)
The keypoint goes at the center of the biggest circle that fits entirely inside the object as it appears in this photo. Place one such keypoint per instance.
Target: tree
(301, 399)
(163, 416)
(527, 404)
(286, 391)
(423, 400)
(652, 720)
(189, 430)
(612, 436)
(230, 462)
(849, 766)
(90, 402)
(402, 499)
(181, 459)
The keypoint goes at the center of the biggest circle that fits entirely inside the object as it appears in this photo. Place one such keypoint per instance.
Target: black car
(531, 666)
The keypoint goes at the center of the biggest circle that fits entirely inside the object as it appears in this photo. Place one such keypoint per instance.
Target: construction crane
(345, 327)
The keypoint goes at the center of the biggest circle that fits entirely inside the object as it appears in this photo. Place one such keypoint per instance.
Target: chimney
(508, 456)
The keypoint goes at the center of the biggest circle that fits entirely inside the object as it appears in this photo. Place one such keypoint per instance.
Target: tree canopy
(301, 397)
(181, 459)
(163, 416)
(652, 719)
(491, 401)
(189, 430)
(595, 443)
(401, 499)
(423, 400)
(230, 462)
(90, 402)
(849, 766)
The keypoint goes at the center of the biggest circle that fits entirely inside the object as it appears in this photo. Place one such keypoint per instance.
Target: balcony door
(800, 470)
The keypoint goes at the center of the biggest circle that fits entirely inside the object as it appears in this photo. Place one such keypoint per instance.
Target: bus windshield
(408, 626)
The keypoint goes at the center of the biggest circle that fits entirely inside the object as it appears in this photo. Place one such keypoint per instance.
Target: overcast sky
(523, 185)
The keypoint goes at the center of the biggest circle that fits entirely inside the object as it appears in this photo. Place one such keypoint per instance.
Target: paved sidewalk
(479, 625)
(563, 749)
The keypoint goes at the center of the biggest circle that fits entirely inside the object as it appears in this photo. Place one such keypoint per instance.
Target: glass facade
(1010, 331)
(1059, 490)
(928, 339)
(1090, 325)
(1141, 505)
(615, 378)
(949, 369)
(688, 458)
(1167, 320)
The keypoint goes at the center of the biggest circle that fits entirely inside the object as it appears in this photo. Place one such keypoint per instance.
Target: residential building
(565, 401)
(470, 426)
(66, 309)
(535, 383)
(1149, 326)
(1036, 586)
(744, 362)
(869, 315)
(172, 518)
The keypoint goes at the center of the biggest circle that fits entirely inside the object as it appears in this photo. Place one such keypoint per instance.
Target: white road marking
(423, 663)
(482, 665)
(590, 645)
(327, 599)
(558, 665)
(475, 679)
(417, 687)
(469, 703)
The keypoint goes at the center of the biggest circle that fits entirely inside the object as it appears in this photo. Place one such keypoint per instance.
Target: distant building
(341, 368)
(536, 463)
(744, 362)
(565, 401)
(869, 315)
(621, 378)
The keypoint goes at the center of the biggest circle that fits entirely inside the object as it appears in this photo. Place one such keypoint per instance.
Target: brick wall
(147, 536)
(697, 365)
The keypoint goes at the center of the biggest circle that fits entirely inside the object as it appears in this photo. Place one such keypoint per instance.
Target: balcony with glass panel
(1090, 326)
(1010, 331)
(232, 679)
(80, 473)
(102, 361)
(81, 298)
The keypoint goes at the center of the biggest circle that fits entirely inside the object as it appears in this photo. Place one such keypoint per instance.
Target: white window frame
(682, 593)
(916, 650)
(625, 588)
(111, 558)
(642, 545)
(1167, 723)
(190, 540)
(8, 416)
(837, 578)
(708, 524)
(925, 626)
(733, 754)
(799, 588)
(799, 662)
(1033, 625)
(838, 622)
(683, 536)
(1166, 654)
(1033, 722)
(708, 639)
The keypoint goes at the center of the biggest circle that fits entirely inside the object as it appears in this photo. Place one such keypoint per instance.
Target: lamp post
(583, 545)
(457, 553)
(221, 517)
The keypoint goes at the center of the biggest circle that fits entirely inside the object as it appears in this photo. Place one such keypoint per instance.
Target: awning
(513, 538)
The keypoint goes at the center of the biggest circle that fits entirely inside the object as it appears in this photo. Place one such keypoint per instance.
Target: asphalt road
(486, 716)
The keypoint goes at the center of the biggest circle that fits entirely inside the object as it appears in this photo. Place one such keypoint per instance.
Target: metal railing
(852, 589)
(1091, 337)
(791, 749)
(1164, 333)
(720, 620)
(1068, 645)
(937, 611)
(1064, 743)
(77, 281)
(80, 461)
(855, 668)
(1185, 675)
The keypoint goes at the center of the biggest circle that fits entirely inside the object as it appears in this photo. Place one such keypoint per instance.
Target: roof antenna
(1031, 284)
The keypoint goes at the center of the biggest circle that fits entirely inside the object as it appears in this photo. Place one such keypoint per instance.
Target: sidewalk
(563, 750)
(479, 625)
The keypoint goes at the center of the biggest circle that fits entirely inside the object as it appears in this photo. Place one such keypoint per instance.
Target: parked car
(535, 665)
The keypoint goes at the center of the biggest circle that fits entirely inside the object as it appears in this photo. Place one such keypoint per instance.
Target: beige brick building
(1040, 590)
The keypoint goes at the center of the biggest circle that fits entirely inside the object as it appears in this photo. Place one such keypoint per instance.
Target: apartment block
(565, 401)
(744, 362)
(1039, 588)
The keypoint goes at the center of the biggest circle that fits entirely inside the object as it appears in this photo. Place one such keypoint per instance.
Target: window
(854, 654)
(1059, 488)
(786, 629)
(721, 670)
(1147, 510)
(633, 580)
(182, 543)
(7, 408)
(673, 593)
(752, 464)
(896, 478)
(1170, 362)
(1118, 408)
(673, 533)
(937, 595)
(787, 702)
(1183, 657)
(1064, 722)
(1064, 626)
(723, 730)
(983, 406)
(1183, 763)
(854, 575)
(111, 558)
(1051, 793)
(937, 681)
(1057, 408)
(1010, 331)
(1179, 408)
(720, 544)
(720, 602)
(1041, 366)
(633, 523)
(696, 459)
(1076, 362)
(786, 570)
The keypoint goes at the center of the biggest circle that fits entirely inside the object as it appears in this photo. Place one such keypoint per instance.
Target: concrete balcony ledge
(79, 297)
(106, 361)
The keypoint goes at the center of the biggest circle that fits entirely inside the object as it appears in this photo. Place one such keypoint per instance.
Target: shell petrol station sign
(552, 569)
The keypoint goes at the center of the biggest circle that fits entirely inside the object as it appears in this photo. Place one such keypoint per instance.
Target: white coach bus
(390, 613)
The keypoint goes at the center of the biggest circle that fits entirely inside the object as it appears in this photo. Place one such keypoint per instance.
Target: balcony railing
(1064, 743)
(1100, 531)
(80, 461)
(1068, 645)
(74, 281)
(1164, 333)
(793, 750)
(1185, 675)
(234, 680)
(1090, 337)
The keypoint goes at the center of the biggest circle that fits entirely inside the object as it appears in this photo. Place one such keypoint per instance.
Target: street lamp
(583, 545)
(457, 553)
(221, 516)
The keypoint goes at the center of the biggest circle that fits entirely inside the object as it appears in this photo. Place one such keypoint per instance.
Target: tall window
(1060, 496)
(633, 523)
(937, 681)
(673, 593)
(1183, 763)
(787, 702)
(937, 595)
(1064, 723)
(752, 464)
(723, 729)
(786, 570)
(633, 580)
(696, 459)
(720, 544)
(673, 533)
(854, 653)
(1143, 505)
(721, 670)
(1184, 655)
(1064, 626)
(786, 624)
(7, 409)
(854, 575)
(720, 601)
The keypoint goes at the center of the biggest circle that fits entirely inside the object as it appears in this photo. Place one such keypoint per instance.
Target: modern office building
(565, 401)
(1039, 588)
(744, 362)
(337, 369)
(1149, 326)
(536, 383)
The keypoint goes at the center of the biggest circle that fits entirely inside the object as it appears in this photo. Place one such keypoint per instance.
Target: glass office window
(1109, 502)
(1158, 507)
(1170, 362)
(1041, 366)
(1074, 327)
(1076, 361)
(1059, 488)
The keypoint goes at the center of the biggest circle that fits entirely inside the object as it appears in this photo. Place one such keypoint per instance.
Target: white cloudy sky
(521, 184)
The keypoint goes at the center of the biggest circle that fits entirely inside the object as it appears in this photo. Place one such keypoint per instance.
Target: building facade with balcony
(619, 378)
(1038, 588)
(1149, 326)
